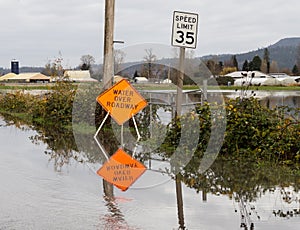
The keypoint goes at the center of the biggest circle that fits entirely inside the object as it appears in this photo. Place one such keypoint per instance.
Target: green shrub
(17, 102)
(252, 130)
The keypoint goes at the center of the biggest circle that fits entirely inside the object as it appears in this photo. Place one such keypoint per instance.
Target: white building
(259, 78)
(140, 80)
(243, 74)
(79, 76)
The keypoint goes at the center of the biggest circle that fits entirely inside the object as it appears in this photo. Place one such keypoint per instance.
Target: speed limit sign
(185, 28)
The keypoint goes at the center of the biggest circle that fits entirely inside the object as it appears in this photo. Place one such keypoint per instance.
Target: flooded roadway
(33, 195)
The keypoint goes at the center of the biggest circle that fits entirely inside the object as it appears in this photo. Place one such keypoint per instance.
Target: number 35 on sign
(185, 29)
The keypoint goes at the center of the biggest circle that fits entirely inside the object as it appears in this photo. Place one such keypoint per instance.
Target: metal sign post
(184, 35)
(180, 78)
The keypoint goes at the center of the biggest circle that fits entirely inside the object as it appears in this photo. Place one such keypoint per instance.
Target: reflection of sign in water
(122, 101)
(121, 170)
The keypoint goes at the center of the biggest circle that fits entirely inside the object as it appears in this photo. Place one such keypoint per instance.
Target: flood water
(37, 194)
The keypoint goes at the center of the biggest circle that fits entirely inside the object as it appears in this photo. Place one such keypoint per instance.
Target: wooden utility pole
(108, 63)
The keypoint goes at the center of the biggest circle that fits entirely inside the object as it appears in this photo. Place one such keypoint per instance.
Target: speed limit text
(185, 22)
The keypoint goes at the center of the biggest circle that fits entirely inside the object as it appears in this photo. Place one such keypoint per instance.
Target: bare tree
(86, 62)
(149, 63)
(119, 57)
(274, 67)
(54, 68)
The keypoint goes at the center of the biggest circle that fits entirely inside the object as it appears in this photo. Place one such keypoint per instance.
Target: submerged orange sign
(122, 101)
(121, 170)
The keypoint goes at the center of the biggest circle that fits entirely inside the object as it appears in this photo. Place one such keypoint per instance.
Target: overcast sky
(36, 31)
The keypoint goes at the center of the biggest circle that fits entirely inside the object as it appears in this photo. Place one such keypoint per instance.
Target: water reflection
(114, 219)
(259, 194)
(272, 99)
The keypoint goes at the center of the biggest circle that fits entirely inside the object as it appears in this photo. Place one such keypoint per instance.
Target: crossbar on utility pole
(108, 63)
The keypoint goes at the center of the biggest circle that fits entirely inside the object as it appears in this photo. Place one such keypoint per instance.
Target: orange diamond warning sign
(121, 170)
(122, 101)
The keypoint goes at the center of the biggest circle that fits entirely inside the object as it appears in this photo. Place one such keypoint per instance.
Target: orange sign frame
(122, 101)
(121, 170)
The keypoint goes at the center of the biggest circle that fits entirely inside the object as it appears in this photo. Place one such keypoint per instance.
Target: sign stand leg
(136, 129)
(138, 136)
(96, 134)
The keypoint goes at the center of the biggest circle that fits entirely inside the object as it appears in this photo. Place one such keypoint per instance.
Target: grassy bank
(195, 87)
(251, 129)
(49, 86)
(263, 88)
(26, 86)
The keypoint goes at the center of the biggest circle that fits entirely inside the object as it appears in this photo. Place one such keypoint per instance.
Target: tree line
(263, 64)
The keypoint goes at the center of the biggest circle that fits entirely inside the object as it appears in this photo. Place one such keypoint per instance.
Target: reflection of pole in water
(204, 195)
(114, 219)
(179, 203)
(108, 189)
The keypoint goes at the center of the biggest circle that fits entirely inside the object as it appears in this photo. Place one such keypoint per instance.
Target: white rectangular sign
(185, 29)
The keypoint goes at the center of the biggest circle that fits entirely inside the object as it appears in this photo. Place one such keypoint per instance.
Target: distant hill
(293, 42)
(283, 52)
